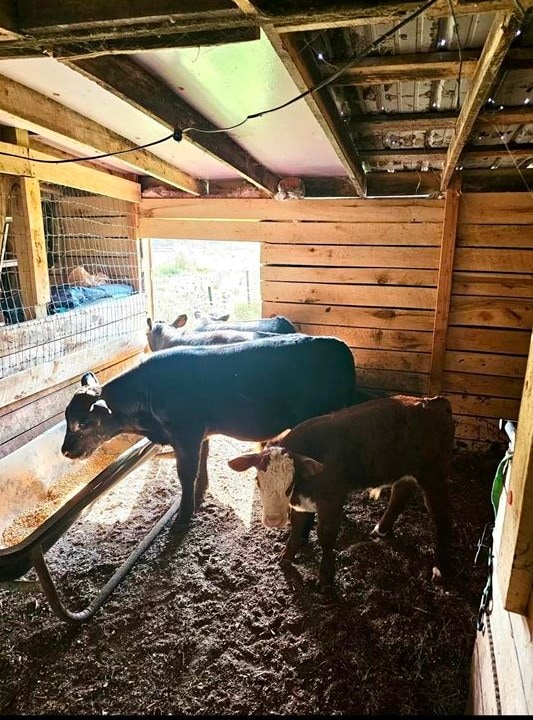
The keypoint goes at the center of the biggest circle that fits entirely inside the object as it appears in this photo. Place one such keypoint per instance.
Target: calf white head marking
(274, 484)
(275, 478)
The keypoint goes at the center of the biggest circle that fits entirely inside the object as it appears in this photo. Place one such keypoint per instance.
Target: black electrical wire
(178, 133)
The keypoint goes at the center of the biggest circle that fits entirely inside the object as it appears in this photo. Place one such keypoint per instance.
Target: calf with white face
(398, 441)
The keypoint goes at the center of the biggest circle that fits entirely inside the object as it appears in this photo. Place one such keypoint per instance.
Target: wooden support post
(28, 237)
(515, 560)
(444, 285)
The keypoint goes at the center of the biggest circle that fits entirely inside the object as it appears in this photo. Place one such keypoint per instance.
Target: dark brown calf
(396, 441)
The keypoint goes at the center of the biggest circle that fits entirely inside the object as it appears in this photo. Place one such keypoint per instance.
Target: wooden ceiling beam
(124, 43)
(410, 67)
(296, 57)
(425, 122)
(46, 17)
(501, 35)
(127, 80)
(387, 69)
(29, 109)
(405, 155)
(337, 14)
(292, 53)
(520, 151)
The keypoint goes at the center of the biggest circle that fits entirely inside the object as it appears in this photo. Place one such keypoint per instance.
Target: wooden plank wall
(368, 278)
(366, 271)
(491, 312)
(372, 282)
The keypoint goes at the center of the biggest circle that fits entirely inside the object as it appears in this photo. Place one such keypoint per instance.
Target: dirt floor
(212, 623)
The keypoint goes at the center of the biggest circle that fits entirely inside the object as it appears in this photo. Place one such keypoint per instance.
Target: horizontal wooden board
(374, 338)
(482, 339)
(496, 208)
(493, 385)
(357, 295)
(491, 312)
(20, 161)
(315, 233)
(357, 276)
(493, 260)
(353, 211)
(349, 256)
(391, 381)
(356, 317)
(483, 406)
(485, 363)
(493, 284)
(495, 236)
(392, 360)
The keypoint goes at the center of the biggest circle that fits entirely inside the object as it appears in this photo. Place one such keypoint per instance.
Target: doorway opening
(208, 276)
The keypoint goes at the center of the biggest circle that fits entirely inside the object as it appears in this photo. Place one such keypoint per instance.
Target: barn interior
(380, 152)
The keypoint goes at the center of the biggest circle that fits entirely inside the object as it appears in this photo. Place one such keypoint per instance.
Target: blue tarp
(66, 297)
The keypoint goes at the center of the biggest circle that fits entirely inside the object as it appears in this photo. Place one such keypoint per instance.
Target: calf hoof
(286, 558)
(181, 523)
(327, 591)
(377, 534)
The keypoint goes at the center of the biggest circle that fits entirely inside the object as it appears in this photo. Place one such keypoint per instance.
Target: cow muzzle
(275, 520)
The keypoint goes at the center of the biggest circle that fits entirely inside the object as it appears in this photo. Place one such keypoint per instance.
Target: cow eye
(82, 424)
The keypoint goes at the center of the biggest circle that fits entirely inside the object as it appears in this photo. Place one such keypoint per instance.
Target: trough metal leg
(49, 589)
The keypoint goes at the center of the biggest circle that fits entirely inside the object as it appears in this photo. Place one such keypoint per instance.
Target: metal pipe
(127, 462)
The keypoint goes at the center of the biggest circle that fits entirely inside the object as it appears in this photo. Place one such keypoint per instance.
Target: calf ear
(89, 379)
(100, 404)
(149, 323)
(245, 462)
(179, 321)
(308, 466)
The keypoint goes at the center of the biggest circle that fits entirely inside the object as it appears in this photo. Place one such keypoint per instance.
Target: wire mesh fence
(69, 280)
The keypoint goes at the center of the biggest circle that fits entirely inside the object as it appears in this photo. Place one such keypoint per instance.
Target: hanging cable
(372, 46)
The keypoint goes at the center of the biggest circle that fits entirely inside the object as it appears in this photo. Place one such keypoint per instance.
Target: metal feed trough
(26, 477)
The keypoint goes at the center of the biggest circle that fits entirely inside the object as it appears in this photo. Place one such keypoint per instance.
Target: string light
(526, 101)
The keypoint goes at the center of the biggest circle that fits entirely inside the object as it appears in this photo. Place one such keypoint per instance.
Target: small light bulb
(320, 56)
(518, 32)
(526, 101)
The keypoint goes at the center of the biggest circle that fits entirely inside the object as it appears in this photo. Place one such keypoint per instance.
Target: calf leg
(301, 524)
(329, 520)
(438, 502)
(188, 460)
(400, 493)
(202, 481)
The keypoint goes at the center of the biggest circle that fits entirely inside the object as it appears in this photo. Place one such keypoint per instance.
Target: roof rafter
(337, 14)
(126, 79)
(388, 69)
(29, 109)
(424, 122)
(292, 54)
(123, 42)
(497, 44)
